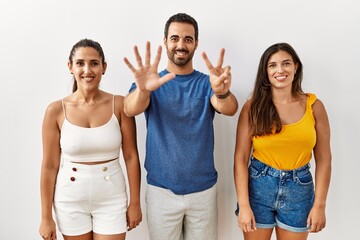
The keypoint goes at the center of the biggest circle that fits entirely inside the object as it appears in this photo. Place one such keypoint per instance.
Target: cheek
(270, 72)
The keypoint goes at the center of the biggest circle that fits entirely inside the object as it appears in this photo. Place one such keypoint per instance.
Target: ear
(296, 67)
(70, 67)
(164, 40)
(104, 68)
(196, 44)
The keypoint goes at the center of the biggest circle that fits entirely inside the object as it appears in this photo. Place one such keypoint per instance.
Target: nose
(181, 43)
(86, 68)
(280, 69)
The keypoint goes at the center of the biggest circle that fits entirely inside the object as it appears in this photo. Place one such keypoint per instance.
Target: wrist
(134, 203)
(223, 96)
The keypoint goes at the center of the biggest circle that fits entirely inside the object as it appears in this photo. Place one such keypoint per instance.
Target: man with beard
(181, 194)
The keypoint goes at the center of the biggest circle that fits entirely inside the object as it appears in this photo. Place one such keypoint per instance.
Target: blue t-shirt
(180, 134)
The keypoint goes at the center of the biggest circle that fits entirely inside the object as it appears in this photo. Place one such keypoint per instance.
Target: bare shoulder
(246, 106)
(54, 109)
(244, 113)
(53, 115)
(318, 105)
(119, 106)
(119, 100)
(319, 111)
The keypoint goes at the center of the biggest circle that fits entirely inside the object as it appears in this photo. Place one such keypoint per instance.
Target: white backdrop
(36, 37)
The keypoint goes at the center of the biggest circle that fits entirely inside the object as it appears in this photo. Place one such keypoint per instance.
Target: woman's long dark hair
(263, 115)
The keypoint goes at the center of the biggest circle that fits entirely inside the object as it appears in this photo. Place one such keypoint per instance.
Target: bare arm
(131, 157)
(147, 80)
(49, 168)
(246, 219)
(220, 79)
(227, 106)
(322, 155)
(136, 102)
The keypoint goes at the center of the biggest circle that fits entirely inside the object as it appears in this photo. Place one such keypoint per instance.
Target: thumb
(308, 222)
(167, 77)
(253, 223)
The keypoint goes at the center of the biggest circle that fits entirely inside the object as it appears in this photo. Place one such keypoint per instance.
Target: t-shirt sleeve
(132, 88)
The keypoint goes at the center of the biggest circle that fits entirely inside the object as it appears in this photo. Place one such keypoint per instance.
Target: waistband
(266, 169)
(93, 168)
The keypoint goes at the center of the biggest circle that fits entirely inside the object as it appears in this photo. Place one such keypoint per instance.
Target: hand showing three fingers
(146, 75)
(220, 77)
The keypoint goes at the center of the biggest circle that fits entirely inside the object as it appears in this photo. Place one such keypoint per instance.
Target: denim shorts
(280, 198)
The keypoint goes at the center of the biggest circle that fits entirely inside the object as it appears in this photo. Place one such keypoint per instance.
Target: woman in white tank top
(81, 177)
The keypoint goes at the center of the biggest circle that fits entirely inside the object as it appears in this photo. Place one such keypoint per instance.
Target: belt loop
(295, 175)
(264, 171)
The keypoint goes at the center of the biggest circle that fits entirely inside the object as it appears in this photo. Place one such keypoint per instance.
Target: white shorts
(90, 198)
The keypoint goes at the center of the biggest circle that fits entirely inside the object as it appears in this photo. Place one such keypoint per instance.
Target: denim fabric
(280, 198)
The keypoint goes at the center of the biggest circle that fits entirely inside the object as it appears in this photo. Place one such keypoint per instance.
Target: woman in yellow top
(279, 128)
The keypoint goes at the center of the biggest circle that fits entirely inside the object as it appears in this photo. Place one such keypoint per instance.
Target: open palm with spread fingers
(146, 76)
(220, 77)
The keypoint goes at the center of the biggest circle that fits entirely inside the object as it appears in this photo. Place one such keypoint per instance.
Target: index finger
(130, 66)
(221, 58)
(207, 61)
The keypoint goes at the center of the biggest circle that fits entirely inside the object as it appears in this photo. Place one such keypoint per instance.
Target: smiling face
(180, 45)
(281, 69)
(87, 67)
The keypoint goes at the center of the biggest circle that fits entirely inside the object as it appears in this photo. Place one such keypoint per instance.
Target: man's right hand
(147, 78)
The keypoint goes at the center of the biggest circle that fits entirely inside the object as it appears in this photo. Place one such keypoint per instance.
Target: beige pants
(190, 217)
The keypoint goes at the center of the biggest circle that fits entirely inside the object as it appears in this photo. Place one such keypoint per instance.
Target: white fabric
(191, 216)
(80, 144)
(90, 198)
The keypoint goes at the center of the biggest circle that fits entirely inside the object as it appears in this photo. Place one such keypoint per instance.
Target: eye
(188, 40)
(95, 64)
(174, 39)
(272, 65)
(80, 64)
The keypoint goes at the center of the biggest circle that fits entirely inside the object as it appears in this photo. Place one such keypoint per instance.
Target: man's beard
(180, 61)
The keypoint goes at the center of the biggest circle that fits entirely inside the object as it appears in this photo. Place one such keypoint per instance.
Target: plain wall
(36, 38)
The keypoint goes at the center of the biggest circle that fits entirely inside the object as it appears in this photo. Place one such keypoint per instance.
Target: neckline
(303, 117)
(101, 126)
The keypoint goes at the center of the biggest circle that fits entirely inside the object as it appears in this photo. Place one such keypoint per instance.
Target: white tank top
(81, 144)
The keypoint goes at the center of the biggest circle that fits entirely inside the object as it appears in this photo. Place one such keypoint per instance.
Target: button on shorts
(280, 198)
(90, 198)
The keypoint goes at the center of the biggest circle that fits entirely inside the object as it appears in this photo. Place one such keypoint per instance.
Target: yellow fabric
(292, 147)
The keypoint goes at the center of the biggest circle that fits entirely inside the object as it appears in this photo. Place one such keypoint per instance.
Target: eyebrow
(286, 60)
(177, 36)
(83, 60)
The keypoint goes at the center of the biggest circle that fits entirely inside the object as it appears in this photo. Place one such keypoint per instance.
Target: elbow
(231, 111)
(128, 111)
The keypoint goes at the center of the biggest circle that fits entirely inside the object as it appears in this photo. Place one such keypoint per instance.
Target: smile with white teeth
(280, 78)
(88, 78)
(181, 53)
